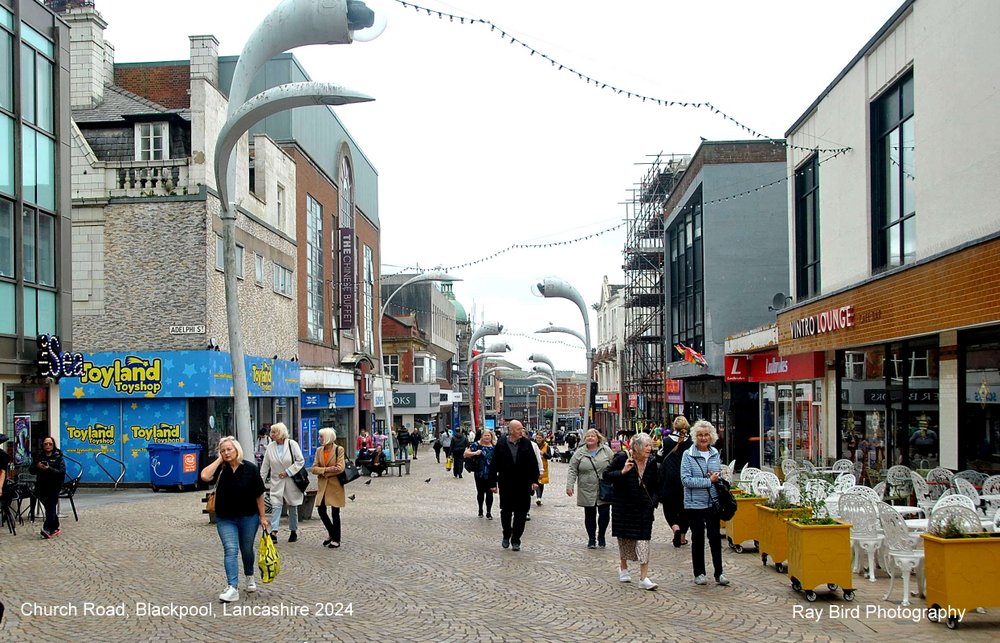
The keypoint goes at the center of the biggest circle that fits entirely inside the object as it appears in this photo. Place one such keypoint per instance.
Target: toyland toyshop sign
(827, 321)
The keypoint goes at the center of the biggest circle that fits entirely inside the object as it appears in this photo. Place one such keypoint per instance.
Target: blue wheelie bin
(173, 464)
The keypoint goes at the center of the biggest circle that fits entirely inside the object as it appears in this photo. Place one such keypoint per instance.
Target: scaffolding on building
(643, 357)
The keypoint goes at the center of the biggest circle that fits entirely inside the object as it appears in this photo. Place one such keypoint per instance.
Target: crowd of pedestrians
(618, 484)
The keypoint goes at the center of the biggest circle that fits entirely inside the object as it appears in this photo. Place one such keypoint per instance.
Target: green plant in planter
(813, 504)
(780, 501)
(951, 528)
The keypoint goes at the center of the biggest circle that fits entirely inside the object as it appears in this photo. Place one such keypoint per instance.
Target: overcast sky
(480, 145)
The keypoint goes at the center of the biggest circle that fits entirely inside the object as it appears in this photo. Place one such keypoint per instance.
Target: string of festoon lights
(516, 246)
(703, 105)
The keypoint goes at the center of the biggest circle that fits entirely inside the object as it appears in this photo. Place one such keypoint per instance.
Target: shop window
(979, 415)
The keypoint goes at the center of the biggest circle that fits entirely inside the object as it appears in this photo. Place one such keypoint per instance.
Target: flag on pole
(691, 355)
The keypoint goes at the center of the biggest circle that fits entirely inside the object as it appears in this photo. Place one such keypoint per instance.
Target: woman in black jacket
(50, 470)
(671, 489)
(459, 443)
(636, 483)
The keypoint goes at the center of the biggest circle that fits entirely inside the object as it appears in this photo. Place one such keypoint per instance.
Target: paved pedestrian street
(417, 564)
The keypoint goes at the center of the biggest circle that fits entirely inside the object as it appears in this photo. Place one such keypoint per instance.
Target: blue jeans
(293, 515)
(237, 534)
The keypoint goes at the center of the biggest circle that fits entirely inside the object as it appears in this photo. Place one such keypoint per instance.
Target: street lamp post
(543, 379)
(488, 328)
(293, 23)
(541, 360)
(482, 386)
(552, 287)
(551, 388)
(434, 275)
(496, 349)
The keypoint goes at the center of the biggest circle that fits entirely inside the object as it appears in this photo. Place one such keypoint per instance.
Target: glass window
(43, 101)
(894, 169)
(28, 164)
(45, 180)
(6, 19)
(6, 155)
(315, 283)
(391, 366)
(240, 257)
(152, 141)
(220, 253)
(6, 239)
(6, 71)
(258, 269)
(368, 319)
(46, 313)
(46, 249)
(28, 255)
(280, 206)
(7, 323)
(282, 280)
(979, 410)
(807, 246)
(37, 40)
(27, 83)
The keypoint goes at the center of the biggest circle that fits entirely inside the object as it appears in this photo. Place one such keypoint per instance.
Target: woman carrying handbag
(328, 465)
(282, 460)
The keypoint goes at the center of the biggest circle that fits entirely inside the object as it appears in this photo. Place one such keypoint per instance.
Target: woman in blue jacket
(701, 467)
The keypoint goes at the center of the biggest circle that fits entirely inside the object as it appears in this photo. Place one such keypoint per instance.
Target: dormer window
(152, 141)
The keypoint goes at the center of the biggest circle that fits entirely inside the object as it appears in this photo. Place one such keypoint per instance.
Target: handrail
(77, 463)
(121, 476)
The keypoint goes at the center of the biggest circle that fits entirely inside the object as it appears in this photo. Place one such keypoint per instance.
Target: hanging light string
(706, 105)
(587, 237)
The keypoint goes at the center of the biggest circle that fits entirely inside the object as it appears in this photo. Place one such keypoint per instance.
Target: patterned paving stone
(417, 564)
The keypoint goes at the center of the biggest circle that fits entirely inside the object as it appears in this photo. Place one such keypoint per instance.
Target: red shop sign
(737, 368)
(770, 367)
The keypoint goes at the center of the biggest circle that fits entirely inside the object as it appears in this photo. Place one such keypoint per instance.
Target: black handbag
(472, 464)
(350, 472)
(301, 477)
(725, 506)
(607, 491)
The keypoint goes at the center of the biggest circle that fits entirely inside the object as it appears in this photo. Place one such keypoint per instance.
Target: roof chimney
(89, 54)
(205, 58)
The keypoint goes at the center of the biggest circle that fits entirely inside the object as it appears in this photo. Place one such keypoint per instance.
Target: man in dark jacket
(671, 489)
(517, 474)
(459, 443)
(50, 470)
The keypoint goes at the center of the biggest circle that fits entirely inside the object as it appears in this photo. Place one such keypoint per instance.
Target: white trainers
(624, 576)
(722, 580)
(251, 584)
(231, 594)
(647, 583)
(701, 579)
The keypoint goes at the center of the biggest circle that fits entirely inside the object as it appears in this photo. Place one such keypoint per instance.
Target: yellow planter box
(820, 555)
(744, 525)
(772, 536)
(962, 573)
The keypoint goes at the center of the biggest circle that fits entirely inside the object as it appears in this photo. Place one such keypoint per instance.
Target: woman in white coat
(282, 460)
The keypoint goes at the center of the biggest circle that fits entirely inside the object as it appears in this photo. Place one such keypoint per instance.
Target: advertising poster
(22, 438)
(146, 422)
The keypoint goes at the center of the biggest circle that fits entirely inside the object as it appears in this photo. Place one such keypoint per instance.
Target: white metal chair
(966, 488)
(747, 474)
(939, 479)
(865, 536)
(867, 493)
(966, 519)
(991, 485)
(727, 473)
(975, 477)
(765, 484)
(923, 493)
(807, 466)
(843, 482)
(996, 520)
(818, 487)
(843, 466)
(789, 466)
(879, 490)
(792, 493)
(899, 553)
(898, 479)
(953, 500)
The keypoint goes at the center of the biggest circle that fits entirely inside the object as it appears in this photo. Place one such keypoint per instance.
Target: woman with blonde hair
(485, 476)
(283, 459)
(585, 469)
(239, 510)
(328, 464)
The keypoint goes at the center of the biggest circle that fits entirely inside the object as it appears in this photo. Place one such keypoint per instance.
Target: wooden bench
(399, 465)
